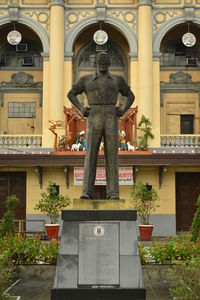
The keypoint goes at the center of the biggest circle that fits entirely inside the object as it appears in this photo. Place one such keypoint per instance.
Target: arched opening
(179, 75)
(21, 76)
(174, 53)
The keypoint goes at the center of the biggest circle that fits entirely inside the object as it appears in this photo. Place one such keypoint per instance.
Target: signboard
(125, 176)
(98, 254)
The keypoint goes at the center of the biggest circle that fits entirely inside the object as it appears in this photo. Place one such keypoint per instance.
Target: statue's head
(103, 61)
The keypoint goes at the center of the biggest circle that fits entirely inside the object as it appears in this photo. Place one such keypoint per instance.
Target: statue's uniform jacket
(102, 93)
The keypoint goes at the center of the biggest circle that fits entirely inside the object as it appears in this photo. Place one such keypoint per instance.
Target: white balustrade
(187, 141)
(20, 141)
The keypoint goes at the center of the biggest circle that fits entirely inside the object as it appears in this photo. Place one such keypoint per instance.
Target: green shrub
(22, 250)
(185, 280)
(9, 217)
(175, 250)
(49, 252)
(195, 228)
(7, 274)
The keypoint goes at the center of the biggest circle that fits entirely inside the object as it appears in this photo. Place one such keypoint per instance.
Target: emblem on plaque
(98, 230)
(100, 37)
(189, 39)
(14, 37)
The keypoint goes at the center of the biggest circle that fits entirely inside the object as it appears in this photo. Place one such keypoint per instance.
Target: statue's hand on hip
(85, 111)
(120, 111)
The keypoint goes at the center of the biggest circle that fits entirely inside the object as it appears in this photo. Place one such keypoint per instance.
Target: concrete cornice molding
(144, 3)
(57, 3)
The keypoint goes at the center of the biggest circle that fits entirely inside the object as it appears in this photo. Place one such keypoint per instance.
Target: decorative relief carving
(179, 79)
(40, 16)
(161, 17)
(73, 17)
(21, 79)
(127, 16)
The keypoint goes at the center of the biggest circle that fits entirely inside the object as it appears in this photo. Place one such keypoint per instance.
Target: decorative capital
(133, 56)
(45, 56)
(13, 12)
(144, 2)
(156, 56)
(69, 56)
(57, 3)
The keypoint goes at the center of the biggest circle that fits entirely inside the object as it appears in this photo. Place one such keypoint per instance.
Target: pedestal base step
(98, 294)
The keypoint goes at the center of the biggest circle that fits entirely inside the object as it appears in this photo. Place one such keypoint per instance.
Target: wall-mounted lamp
(66, 171)
(135, 170)
(38, 170)
(162, 169)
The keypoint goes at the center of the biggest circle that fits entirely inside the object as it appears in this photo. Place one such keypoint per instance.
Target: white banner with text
(125, 176)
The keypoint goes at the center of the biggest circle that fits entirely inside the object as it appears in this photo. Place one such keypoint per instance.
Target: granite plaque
(98, 254)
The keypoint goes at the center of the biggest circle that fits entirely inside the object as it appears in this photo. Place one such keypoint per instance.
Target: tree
(147, 133)
(195, 228)
(9, 216)
(51, 203)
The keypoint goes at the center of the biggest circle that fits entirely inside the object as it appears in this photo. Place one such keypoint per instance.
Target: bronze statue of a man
(101, 89)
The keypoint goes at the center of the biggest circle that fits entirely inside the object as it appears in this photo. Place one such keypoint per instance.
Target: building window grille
(21, 109)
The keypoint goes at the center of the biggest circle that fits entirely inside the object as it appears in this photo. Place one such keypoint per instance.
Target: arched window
(27, 54)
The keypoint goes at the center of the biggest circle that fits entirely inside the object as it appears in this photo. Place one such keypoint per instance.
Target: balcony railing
(20, 141)
(183, 141)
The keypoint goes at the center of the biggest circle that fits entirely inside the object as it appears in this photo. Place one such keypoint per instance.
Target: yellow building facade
(145, 43)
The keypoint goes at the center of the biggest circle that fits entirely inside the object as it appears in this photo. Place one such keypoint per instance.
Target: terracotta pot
(52, 231)
(145, 232)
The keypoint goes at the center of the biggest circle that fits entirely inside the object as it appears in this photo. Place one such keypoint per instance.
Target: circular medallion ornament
(100, 37)
(189, 39)
(98, 230)
(14, 37)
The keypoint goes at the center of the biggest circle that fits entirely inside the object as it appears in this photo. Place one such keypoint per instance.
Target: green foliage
(52, 203)
(175, 250)
(49, 252)
(143, 254)
(23, 250)
(6, 275)
(144, 201)
(195, 229)
(9, 216)
(146, 131)
(185, 280)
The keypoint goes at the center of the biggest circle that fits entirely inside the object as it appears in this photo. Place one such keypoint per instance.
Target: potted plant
(144, 199)
(145, 128)
(51, 203)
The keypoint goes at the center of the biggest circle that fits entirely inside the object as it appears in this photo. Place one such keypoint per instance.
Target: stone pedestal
(99, 256)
